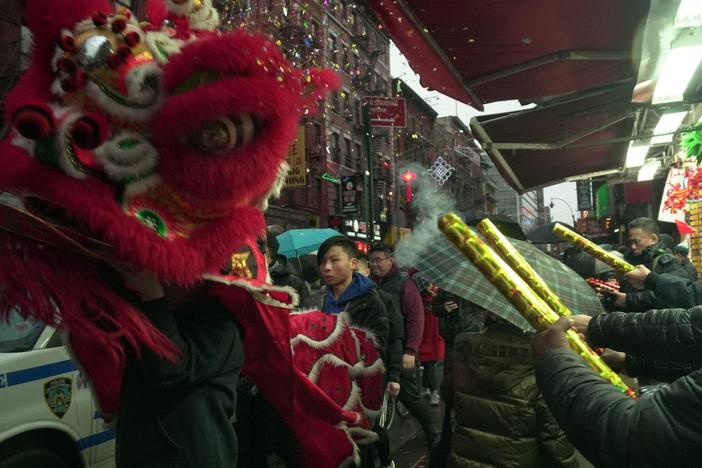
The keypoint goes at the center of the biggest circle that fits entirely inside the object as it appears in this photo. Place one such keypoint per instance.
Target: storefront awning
(584, 133)
(492, 50)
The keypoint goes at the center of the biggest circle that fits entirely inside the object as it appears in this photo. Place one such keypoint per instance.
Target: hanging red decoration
(408, 176)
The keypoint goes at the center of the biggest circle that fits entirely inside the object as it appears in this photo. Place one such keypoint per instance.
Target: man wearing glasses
(404, 291)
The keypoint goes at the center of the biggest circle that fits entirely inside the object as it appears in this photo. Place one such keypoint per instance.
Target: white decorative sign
(441, 171)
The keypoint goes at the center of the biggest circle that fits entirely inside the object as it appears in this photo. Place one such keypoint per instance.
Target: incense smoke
(430, 201)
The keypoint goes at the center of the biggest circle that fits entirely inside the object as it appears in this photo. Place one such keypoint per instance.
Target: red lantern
(408, 176)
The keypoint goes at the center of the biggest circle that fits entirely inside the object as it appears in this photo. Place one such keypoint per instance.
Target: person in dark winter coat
(392, 359)
(681, 253)
(501, 418)
(666, 291)
(660, 344)
(456, 316)
(646, 249)
(606, 426)
(347, 290)
(180, 414)
(405, 293)
(282, 273)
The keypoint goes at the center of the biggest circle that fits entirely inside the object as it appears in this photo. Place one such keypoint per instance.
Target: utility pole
(370, 215)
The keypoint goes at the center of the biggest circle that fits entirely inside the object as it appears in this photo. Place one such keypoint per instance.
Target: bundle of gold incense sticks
(518, 289)
(576, 240)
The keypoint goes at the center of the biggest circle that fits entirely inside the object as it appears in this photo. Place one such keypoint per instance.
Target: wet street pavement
(407, 442)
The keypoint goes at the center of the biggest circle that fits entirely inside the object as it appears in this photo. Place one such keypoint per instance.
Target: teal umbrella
(297, 242)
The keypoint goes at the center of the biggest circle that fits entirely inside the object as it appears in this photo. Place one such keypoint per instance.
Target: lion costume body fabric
(156, 145)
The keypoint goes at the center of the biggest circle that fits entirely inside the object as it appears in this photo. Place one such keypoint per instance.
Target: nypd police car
(48, 417)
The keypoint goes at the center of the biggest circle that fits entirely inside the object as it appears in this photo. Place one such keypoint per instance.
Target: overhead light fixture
(689, 14)
(677, 71)
(636, 155)
(666, 126)
(648, 171)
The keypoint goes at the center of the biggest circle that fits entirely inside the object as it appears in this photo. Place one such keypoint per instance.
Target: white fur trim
(204, 17)
(24, 143)
(341, 324)
(259, 292)
(159, 43)
(330, 359)
(277, 187)
(142, 186)
(63, 145)
(58, 53)
(355, 458)
(148, 101)
(125, 163)
(56, 88)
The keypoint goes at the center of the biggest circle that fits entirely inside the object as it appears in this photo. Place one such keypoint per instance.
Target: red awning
(483, 51)
(580, 134)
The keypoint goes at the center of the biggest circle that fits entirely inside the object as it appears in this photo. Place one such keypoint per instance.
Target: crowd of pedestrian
(508, 403)
(509, 398)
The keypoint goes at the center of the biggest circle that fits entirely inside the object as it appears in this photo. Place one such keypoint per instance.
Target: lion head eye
(224, 134)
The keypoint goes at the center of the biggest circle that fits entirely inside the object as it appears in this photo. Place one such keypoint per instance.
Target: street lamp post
(572, 213)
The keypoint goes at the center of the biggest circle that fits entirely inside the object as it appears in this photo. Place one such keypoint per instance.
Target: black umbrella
(508, 226)
(544, 234)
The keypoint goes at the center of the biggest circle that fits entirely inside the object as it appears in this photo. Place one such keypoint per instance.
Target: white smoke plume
(430, 201)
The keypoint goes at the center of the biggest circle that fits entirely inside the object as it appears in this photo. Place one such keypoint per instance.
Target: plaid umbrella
(441, 262)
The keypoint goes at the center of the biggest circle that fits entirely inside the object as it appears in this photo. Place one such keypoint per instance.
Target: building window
(333, 51)
(348, 155)
(336, 148)
(336, 106)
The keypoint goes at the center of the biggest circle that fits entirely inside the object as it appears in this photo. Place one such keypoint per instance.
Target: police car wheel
(34, 457)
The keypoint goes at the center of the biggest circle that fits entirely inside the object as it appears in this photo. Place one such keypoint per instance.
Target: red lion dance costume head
(157, 145)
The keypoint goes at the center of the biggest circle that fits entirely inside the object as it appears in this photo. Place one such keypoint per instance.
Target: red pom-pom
(132, 38)
(66, 65)
(79, 79)
(119, 25)
(86, 133)
(32, 122)
(67, 84)
(113, 61)
(100, 19)
(124, 52)
(67, 43)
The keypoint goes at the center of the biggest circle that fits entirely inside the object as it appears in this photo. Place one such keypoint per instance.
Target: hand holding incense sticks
(519, 293)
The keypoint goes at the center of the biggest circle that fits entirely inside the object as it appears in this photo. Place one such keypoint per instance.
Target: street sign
(349, 195)
(386, 112)
(330, 178)
(297, 175)
(584, 189)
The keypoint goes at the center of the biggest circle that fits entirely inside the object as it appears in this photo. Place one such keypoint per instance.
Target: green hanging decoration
(692, 144)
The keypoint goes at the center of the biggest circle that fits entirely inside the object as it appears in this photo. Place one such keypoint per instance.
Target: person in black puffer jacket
(660, 344)
(606, 426)
(648, 250)
(663, 290)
